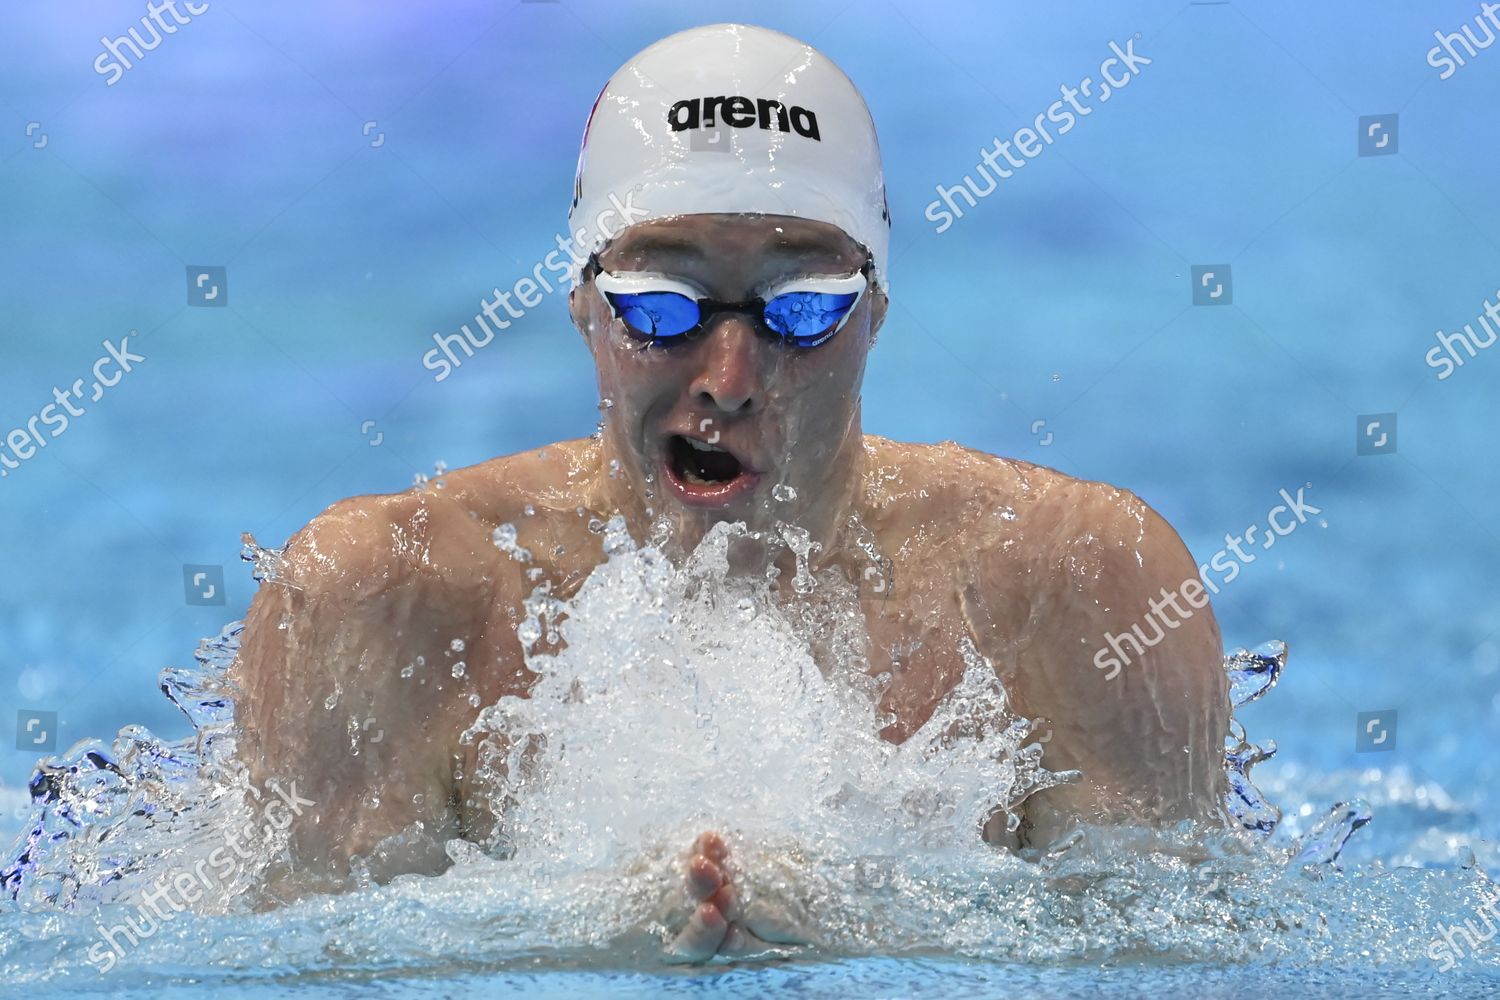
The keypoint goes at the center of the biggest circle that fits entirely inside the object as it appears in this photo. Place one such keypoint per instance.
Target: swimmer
(729, 323)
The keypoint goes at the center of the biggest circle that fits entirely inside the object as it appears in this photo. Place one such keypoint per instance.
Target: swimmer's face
(707, 426)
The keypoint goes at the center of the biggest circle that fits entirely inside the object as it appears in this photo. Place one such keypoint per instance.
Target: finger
(702, 936)
(711, 846)
(727, 901)
(773, 925)
(740, 942)
(704, 878)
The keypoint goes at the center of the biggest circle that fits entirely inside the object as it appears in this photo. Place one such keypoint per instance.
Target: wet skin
(1034, 566)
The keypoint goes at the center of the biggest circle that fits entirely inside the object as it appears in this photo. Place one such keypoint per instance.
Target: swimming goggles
(804, 312)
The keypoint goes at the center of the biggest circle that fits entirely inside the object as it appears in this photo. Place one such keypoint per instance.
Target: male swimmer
(729, 326)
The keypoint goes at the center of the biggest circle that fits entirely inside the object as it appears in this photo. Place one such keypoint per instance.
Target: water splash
(747, 730)
(1251, 675)
(674, 698)
(107, 820)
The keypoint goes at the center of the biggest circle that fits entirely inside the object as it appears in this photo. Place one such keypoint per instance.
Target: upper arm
(1126, 667)
(346, 673)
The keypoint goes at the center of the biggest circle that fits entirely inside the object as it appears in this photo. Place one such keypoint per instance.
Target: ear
(878, 305)
(579, 299)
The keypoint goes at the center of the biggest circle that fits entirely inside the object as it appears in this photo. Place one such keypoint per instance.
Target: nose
(730, 376)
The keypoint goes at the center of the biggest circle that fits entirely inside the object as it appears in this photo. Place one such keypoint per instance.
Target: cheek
(638, 383)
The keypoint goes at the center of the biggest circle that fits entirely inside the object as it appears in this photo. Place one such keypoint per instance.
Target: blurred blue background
(1064, 297)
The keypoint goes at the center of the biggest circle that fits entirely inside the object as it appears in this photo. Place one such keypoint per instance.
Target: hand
(719, 928)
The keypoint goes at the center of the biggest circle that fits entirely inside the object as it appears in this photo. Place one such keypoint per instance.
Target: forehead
(757, 246)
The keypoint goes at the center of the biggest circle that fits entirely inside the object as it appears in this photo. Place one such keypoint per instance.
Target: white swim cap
(731, 118)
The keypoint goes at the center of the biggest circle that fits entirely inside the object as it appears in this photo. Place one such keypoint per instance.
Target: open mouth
(705, 473)
(698, 463)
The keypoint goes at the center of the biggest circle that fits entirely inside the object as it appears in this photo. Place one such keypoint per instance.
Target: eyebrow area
(679, 247)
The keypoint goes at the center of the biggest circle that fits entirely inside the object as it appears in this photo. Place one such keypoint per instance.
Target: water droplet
(606, 403)
(408, 670)
(783, 492)
(474, 699)
(616, 538)
(1007, 513)
(614, 468)
(504, 538)
(529, 631)
(458, 668)
(529, 510)
(417, 799)
(596, 525)
(332, 699)
(457, 645)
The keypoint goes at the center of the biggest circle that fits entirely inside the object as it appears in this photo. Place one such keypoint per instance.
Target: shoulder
(369, 542)
(1058, 514)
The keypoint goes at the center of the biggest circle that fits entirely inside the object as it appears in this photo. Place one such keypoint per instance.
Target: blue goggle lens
(656, 314)
(805, 318)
